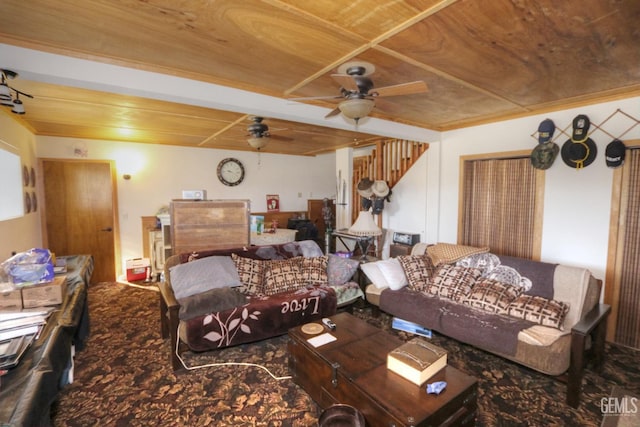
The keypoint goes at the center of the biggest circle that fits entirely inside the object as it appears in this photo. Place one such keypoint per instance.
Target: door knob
(107, 229)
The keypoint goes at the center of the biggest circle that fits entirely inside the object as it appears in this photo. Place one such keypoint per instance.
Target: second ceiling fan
(259, 135)
(359, 92)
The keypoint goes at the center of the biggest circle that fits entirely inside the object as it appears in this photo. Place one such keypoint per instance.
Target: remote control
(329, 323)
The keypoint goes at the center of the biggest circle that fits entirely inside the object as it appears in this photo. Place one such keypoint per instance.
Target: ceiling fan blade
(311, 98)
(346, 81)
(332, 113)
(401, 89)
(280, 138)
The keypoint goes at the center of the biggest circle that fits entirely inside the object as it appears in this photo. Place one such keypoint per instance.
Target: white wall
(160, 173)
(19, 234)
(577, 203)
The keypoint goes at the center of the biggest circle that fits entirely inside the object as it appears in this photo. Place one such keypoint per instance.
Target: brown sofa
(231, 316)
(486, 315)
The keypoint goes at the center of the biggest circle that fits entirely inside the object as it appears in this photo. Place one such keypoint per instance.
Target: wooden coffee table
(352, 370)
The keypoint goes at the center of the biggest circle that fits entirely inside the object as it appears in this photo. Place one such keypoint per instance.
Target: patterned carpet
(123, 378)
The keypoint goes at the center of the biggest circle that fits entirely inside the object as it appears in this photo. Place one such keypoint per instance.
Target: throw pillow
(546, 312)
(314, 270)
(373, 273)
(447, 253)
(282, 275)
(251, 274)
(211, 301)
(510, 275)
(203, 274)
(393, 273)
(418, 270)
(453, 282)
(340, 270)
(492, 296)
(485, 262)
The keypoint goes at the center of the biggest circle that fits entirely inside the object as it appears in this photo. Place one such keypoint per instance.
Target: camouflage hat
(543, 156)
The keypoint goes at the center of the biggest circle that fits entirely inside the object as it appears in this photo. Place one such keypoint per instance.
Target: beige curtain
(628, 320)
(498, 206)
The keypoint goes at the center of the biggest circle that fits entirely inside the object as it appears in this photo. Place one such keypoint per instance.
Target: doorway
(79, 212)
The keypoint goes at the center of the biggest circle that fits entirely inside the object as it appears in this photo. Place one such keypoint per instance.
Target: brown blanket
(540, 273)
(484, 330)
(260, 318)
(492, 332)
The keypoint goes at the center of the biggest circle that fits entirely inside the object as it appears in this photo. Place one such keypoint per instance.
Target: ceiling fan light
(18, 107)
(5, 92)
(356, 108)
(6, 102)
(258, 143)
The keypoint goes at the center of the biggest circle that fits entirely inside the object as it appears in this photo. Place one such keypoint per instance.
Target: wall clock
(230, 171)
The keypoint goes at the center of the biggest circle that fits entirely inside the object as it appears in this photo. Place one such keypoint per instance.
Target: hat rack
(595, 127)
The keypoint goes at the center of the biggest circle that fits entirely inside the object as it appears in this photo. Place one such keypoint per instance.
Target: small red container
(137, 269)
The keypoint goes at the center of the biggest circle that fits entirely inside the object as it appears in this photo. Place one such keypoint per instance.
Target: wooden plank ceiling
(482, 61)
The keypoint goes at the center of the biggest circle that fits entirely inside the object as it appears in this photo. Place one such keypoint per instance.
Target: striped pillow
(546, 312)
(453, 282)
(282, 275)
(492, 296)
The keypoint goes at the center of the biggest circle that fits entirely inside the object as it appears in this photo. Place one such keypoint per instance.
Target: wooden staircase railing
(389, 161)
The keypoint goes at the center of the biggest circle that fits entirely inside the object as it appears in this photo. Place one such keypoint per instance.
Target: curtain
(499, 205)
(628, 321)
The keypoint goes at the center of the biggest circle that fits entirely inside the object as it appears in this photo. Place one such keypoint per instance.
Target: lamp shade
(258, 143)
(365, 225)
(356, 108)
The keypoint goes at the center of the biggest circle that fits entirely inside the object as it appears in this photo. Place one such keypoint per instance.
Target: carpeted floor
(123, 378)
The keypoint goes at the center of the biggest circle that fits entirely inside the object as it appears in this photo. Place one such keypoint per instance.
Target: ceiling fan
(259, 135)
(359, 92)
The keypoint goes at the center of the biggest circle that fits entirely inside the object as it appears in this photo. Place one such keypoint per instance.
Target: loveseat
(220, 298)
(544, 316)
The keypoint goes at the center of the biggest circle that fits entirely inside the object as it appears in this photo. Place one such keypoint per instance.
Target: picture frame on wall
(273, 203)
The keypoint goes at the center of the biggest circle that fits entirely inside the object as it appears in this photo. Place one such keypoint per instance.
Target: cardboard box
(137, 269)
(51, 293)
(11, 299)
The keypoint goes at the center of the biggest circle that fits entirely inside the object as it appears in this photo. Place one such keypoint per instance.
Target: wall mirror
(11, 180)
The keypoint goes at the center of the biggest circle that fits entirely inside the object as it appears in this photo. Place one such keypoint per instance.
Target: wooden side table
(397, 249)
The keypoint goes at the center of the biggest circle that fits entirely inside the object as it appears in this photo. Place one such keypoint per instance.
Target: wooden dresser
(198, 225)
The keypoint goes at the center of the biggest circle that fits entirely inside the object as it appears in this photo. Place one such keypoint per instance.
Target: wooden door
(79, 212)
